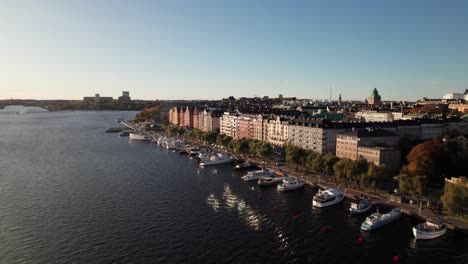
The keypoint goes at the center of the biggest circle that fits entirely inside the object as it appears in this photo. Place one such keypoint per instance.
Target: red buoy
(295, 217)
(360, 239)
(396, 258)
(324, 228)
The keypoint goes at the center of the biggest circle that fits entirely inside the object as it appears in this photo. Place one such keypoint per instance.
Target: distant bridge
(39, 103)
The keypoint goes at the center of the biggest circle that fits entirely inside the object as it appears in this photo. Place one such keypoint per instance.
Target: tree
(329, 162)
(454, 199)
(374, 177)
(294, 155)
(413, 185)
(319, 163)
(428, 158)
(339, 169)
(264, 150)
(309, 158)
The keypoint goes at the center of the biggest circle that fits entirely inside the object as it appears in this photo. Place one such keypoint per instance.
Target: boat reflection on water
(232, 202)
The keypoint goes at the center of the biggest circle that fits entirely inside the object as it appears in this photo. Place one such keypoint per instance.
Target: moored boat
(137, 136)
(429, 230)
(377, 219)
(255, 175)
(327, 198)
(217, 159)
(362, 206)
(244, 166)
(290, 183)
(270, 181)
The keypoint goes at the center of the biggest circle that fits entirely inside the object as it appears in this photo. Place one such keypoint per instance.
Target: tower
(339, 100)
(374, 98)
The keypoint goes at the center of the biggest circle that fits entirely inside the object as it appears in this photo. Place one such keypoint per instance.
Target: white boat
(377, 220)
(429, 230)
(255, 175)
(327, 198)
(290, 183)
(360, 207)
(137, 136)
(194, 151)
(217, 159)
(269, 181)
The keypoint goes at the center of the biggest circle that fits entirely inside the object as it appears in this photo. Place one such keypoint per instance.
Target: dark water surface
(70, 193)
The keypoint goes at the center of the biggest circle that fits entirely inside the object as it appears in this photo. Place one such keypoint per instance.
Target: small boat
(377, 220)
(244, 166)
(429, 230)
(290, 184)
(193, 151)
(327, 198)
(362, 206)
(217, 159)
(255, 175)
(118, 120)
(270, 181)
(136, 136)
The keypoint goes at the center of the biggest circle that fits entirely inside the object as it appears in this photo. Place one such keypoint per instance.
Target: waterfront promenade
(324, 182)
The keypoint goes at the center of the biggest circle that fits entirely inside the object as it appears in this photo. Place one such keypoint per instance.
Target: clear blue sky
(213, 49)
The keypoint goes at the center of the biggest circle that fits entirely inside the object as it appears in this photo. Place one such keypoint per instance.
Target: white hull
(140, 137)
(216, 162)
(282, 188)
(327, 198)
(424, 235)
(290, 184)
(257, 177)
(329, 203)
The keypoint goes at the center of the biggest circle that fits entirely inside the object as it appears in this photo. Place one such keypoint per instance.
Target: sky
(214, 49)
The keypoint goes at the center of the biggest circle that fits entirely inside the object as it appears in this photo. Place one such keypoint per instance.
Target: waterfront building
(348, 145)
(381, 156)
(374, 98)
(278, 131)
(180, 117)
(188, 117)
(209, 120)
(229, 124)
(260, 127)
(194, 114)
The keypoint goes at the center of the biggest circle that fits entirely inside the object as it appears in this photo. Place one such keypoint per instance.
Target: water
(70, 193)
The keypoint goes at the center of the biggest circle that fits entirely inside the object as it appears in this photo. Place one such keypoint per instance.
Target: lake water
(70, 193)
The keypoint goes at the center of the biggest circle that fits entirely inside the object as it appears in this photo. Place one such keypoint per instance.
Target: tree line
(362, 173)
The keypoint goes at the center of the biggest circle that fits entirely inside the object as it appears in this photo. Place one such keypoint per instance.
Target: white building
(374, 116)
(456, 96)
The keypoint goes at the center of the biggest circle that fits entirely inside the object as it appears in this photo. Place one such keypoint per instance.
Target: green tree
(413, 185)
(329, 161)
(294, 155)
(264, 150)
(454, 198)
(339, 169)
(318, 163)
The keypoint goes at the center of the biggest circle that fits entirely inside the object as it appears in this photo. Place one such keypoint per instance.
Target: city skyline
(215, 49)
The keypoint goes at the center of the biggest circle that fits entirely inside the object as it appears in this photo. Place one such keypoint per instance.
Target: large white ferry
(255, 175)
(137, 136)
(216, 159)
(327, 198)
